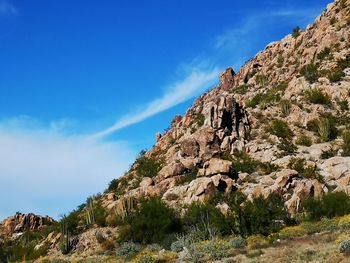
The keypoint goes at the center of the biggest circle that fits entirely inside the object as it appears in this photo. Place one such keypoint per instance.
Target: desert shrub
(257, 241)
(325, 127)
(329, 153)
(152, 221)
(241, 89)
(242, 162)
(286, 147)
(128, 250)
(237, 242)
(344, 63)
(261, 79)
(296, 32)
(330, 205)
(188, 177)
(336, 75)
(58, 260)
(304, 170)
(207, 219)
(199, 119)
(304, 140)
(325, 54)
(310, 72)
(147, 166)
(316, 96)
(343, 105)
(285, 107)
(216, 249)
(344, 246)
(291, 232)
(280, 129)
(346, 143)
(265, 216)
(255, 101)
(146, 259)
(177, 246)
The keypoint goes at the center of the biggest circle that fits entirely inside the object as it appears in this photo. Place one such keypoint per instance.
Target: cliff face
(20, 223)
(303, 79)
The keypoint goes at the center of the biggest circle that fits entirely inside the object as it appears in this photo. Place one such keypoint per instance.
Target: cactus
(324, 129)
(126, 205)
(65, 245)
(90, 213)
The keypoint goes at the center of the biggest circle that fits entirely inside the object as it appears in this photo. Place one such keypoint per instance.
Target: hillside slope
(278, 127)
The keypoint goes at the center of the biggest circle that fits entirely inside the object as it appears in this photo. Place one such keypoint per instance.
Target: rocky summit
(280, 126)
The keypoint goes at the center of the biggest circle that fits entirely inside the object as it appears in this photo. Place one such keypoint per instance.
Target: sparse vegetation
(310, 72)
(304, 140)
(199, 119)
(147, 166)
(343, 105)
(241, 89)
(304, 170)
(325, 54)
(296, 32)
(286, 147)
(280, 129)
(316, 96)
(285, 107)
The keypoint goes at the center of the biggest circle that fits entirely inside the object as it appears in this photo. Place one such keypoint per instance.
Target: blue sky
(85, 85)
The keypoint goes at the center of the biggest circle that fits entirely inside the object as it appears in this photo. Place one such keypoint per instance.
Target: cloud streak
(42, 170)
(194, 83)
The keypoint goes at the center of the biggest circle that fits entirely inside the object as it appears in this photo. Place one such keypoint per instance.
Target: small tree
(152, 222)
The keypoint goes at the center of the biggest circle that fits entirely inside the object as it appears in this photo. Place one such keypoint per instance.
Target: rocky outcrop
(19, 223)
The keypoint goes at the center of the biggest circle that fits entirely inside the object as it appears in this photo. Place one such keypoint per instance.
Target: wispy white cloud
(43, 170)
(253, 26)
(7, 8)
(195, 82)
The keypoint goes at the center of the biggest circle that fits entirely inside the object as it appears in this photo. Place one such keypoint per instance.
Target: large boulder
(216, 166)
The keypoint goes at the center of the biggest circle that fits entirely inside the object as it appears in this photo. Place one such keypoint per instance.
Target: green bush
(328, 154)
(304, 170)
(207, 219)
(237, 242)
(304, 140)
(325, 54)
(344, 63)
(199, 120)
(316, 96)
(146, 259)
(310, 72)
(344, 105)
(216, 249)
(188, 177)
(128, 250)
(286, 147)
(265, 216)
(330, 205)
(152, 221)
(296, 32)
(255, 101)
(240, 90)
(346, 143)
(147, 166)
(177, 246)
(344, 246)
(336, 75)
(280, 129)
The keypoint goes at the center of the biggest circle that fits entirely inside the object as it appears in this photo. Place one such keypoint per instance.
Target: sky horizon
(86, 86)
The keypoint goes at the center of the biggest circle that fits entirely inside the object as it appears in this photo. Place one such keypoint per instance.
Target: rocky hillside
(280, 126)
(273, 127)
